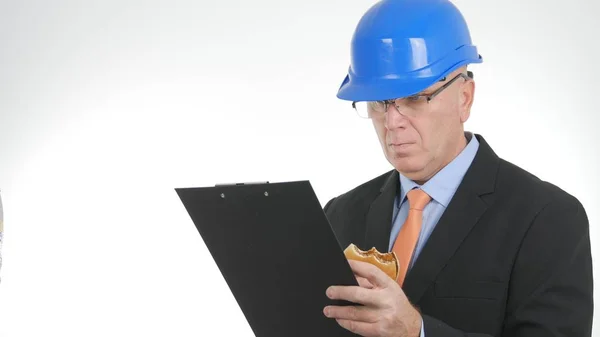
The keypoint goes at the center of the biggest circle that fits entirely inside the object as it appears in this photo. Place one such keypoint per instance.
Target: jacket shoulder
(527, 187)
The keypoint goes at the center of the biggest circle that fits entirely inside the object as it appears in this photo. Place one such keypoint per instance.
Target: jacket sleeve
(328, 205)
(551, 285)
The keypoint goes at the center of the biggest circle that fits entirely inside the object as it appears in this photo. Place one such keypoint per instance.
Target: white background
(106, 106)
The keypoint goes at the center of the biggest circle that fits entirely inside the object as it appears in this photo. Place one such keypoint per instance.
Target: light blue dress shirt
(441, 188)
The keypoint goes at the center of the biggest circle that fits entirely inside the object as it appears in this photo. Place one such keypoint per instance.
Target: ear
(465, 100)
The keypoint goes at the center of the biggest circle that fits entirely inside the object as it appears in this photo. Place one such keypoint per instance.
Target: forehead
(438, 84)
(432, 88)
(427, 91)
(445, 81)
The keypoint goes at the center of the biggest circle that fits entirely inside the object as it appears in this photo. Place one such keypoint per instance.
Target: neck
(452, 153)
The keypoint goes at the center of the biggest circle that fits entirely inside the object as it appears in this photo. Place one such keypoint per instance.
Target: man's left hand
(386, 312)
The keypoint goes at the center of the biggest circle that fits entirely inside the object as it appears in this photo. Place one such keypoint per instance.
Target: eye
(413, 98)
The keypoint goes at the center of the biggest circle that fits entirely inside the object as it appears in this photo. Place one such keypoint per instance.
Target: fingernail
(326, 311)
(329, 292)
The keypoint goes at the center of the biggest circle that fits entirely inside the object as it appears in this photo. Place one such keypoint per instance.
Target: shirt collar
(441, 187)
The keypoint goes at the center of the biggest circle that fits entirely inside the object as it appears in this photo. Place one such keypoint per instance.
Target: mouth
(401, 149)
(399, 145)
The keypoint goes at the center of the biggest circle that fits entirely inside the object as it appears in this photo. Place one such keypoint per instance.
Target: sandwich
(387, 262)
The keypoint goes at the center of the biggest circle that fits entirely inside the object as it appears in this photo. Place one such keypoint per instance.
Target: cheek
(431, 132)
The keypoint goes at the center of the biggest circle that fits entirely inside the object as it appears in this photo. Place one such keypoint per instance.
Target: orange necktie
(409, 234)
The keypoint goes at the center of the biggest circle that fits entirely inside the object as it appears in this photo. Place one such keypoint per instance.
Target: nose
(395, 118)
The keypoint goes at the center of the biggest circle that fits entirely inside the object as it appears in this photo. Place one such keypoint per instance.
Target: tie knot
(417, 199)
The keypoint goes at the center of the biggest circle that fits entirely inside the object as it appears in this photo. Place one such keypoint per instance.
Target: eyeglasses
(409, 106)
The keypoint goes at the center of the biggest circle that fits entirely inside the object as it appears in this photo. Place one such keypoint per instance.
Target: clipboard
(277, 252)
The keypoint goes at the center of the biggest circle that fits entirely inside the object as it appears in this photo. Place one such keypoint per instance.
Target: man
(485, 248)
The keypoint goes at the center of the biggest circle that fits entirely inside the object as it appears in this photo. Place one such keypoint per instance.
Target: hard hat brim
(355, 88)
(382, 89)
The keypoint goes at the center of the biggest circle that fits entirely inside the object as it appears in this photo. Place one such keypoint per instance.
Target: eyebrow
(422, 93)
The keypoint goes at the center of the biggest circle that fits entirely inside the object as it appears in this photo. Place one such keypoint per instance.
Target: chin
(410, 166)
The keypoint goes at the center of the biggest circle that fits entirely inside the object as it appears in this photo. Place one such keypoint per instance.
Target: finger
(360, 328)
(351, 312)
(375, 275)
(354, 294)
(363, 282)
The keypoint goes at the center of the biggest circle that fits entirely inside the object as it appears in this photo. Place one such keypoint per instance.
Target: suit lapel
(463, 212)
(379, 215)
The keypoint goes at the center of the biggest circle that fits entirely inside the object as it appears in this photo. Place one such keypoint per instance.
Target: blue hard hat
(401, 47)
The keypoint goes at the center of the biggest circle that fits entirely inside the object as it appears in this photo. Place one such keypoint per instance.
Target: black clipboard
(277, 252)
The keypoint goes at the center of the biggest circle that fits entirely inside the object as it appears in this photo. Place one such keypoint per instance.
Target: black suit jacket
(510, 256)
